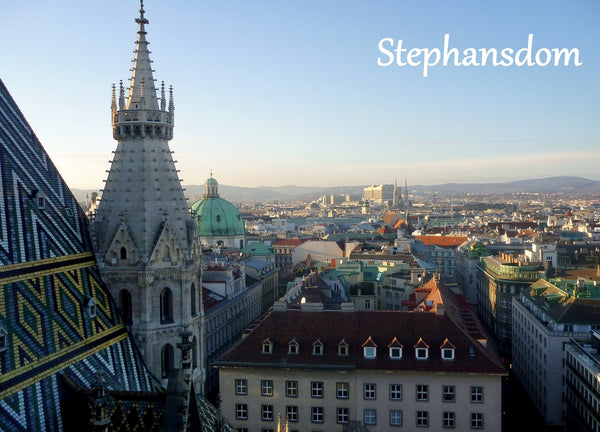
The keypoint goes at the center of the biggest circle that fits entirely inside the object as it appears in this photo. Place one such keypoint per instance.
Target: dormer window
(421, 350)
(317, 347)
(3, 339)
(343, 348)
(40, 200)
(267, 346)
(369, 348)
(293, 347)
(447, 350)
(91, 307)
(395, 348)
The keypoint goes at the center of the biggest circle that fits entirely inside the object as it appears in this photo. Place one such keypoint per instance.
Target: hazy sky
(289, 92)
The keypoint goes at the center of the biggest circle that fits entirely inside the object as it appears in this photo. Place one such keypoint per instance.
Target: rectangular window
(266, 412)
(291, 412)
(476, 394)
(448, 419)
(395, 391)
(316, 414)
(241, 387)
(395, 353)
(476, 420)
(342, 390)
(266, 387)
(291, 388)
(267, 348)
(448, 393)
(448, 354)
(342, 350)
(369, 391)
(317, 349)
(370, 415)
(370, 352)
(316, 389)
(422, 418)
(241, 411)
(422, 392)
(343, 415)
(395, 417)
(422, 353)
(367, 304)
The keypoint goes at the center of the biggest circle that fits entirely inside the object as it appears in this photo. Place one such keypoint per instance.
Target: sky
(272, 93)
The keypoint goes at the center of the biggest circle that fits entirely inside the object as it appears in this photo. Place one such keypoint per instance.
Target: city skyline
(277, 94)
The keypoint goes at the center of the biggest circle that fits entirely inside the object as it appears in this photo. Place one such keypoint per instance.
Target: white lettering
(415, 52)
(470, 57)
(506, 54)
(430, 57)
(427, 63)
(518, 60)
(447, 54)
(546, 52)
(558, 54)
(399, 52)
(386, 52)
(485, 54)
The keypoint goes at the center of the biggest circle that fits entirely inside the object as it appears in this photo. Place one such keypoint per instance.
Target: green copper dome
(216, 216)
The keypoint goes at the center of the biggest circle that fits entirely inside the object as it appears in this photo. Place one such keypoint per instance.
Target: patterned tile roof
(48, 276)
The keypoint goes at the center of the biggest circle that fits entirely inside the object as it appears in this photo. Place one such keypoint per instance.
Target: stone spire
(147, 245)
(143, 193)
(141, 87)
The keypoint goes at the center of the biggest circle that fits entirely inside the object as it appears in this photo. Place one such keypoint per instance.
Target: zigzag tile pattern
(47, 277)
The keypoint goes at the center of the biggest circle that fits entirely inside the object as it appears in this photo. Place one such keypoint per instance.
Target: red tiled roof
(443, 241)
(210, 299)
(288, 242)
(356, 328)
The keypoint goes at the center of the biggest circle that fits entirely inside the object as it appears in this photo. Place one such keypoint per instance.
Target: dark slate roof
(356, 327)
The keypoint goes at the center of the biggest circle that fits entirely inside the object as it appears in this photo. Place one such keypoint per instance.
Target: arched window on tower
(123, 253)
(166, 306)
(193, 299)
(194, 353)
(166, 360)
(125, 306)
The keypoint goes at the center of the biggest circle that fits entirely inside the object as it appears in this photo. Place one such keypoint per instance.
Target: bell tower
(147, 246)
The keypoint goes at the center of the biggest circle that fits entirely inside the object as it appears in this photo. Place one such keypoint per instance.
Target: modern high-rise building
(379, 193)
(147, 247)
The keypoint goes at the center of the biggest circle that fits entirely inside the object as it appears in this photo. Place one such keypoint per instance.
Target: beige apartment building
(319, 371)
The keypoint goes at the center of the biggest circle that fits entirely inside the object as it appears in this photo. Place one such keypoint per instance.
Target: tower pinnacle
(140, 113)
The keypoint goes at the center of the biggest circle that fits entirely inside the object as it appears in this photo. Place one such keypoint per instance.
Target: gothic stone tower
(147, 246)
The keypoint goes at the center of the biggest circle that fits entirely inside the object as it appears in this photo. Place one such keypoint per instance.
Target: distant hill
(563, 184)
(238, 194)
